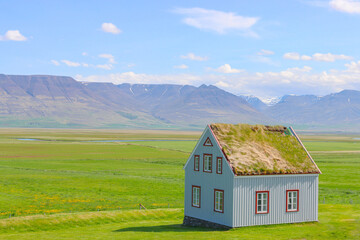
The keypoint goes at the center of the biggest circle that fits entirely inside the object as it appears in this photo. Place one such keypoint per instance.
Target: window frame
(256, 202)
(192, 196)
(223, 200)
(297, 200)
(208, 145)
(198, 167)
(217, 165)
(207, 171)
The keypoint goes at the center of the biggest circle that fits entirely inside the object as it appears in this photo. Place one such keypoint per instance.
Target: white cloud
(130, 65)
(226, 68)
(109, 57)
(347, 6)
(192, 56)
(264, 52)
(262, 84)
(292, 56)
(323, 57)
(13, 35)
(84, 53)
(105, 66)
(328, 57)
(217, 21)
(110, 28)
(353, 67)
(182, 66)
(56, 63)
(221, 84)
(71, 64)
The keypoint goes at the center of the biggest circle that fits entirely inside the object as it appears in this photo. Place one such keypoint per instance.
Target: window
(219, 165)
(262, 202)
(208, 142)
(207, 163)
(292, 200)
(196, 196)
(196, 162)
(218, 200)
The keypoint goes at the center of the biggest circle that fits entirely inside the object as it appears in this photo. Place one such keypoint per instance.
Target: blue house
(244, 175)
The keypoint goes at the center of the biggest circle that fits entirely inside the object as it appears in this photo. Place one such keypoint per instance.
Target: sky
(263, 48)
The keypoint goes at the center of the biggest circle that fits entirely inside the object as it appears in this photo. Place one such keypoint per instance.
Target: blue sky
(263, 48)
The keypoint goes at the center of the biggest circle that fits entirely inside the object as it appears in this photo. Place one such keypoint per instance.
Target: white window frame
(196, 196)
(207, 163)
(219, 200)
(292, 200)
(219, 165)
(262, 202)
(196, 163)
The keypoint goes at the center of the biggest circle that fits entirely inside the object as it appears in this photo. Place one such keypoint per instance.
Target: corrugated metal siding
(209, 182)
(244, 199)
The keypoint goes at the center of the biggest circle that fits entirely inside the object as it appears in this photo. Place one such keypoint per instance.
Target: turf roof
(259, 149)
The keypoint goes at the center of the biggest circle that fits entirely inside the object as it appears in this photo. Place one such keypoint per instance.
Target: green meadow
(79, 184)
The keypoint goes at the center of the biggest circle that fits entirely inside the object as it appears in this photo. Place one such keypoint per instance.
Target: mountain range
(57, 101)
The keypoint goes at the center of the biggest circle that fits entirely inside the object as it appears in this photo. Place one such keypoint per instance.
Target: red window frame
(192, 196)
(297, 200)
(256, 202)
(223, 205)
(206, 154)
(198, 169)
(209, 141)
(217, 165)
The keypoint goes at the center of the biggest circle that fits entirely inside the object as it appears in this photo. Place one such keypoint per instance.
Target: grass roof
(259, 149)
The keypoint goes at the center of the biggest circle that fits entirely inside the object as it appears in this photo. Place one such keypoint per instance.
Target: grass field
(91, 189)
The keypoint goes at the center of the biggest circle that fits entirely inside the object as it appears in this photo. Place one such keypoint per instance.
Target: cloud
(192, 56)
(298, 80)
(71, 64)
(226, 68)
(217, 21)
(109, 57)
(13, 35)
(264, 52)
(328, 57)
(110, 28)
(56, 63)
(84, 53)
(347, 6)
(323, 57)
(105, 66)
(182, 66)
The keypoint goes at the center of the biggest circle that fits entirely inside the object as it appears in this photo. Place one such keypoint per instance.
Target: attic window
(196, 162)
(207, 164)
(262, 202)
(208, 142)
(292, 200)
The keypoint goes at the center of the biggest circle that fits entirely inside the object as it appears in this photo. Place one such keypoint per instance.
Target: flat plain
(64, 184)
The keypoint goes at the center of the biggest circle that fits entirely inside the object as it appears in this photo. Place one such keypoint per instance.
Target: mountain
(255, 103)
(183, 104)
(56, 101)
(334, 110)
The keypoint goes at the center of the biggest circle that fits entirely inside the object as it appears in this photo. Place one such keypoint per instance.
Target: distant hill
(56, 101)
(337, 110)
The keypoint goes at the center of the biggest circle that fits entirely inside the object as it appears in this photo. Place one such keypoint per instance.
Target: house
(244, 175)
